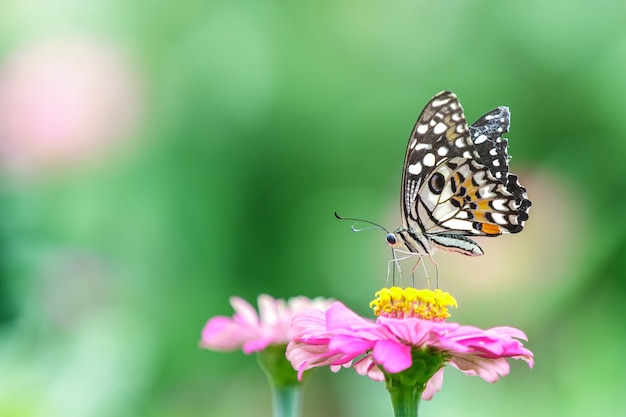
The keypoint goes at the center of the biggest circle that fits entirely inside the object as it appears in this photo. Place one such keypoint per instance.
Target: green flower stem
(287, 400)
(406, 387)
(405, 399)
(283, 379)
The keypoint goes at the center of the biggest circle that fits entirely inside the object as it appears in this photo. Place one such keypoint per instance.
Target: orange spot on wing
(491, 229)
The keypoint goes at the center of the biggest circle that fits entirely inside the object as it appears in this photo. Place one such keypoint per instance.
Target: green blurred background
(159, 157)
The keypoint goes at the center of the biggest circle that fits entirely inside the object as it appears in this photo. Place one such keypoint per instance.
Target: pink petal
(417, 332)
(245, 314)
(488, 369)
(393, 356)
(340, 317)
(304, 356)
(433, 385)
(312, 321)
(255, 345)
(350, 345)
(510, 331)
(276, 319)
(493, 343)
(270, 309)
(222, 333)
(366, 366)
(299, 353)
(409, 330)
(297, 304)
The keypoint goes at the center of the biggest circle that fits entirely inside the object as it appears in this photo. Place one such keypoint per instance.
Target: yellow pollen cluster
(410, 302)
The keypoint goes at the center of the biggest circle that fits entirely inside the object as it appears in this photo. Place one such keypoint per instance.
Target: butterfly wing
(452, 188)
(439, 142)
(487, 134)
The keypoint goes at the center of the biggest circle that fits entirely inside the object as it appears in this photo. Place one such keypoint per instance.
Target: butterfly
(456, 182)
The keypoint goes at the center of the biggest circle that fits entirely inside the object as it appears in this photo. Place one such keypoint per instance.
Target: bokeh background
(159, 157)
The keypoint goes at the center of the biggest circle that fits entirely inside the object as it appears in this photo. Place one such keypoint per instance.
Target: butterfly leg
(436, 269)
(425, 270)
(406, 255)
(393, 263)
(419, 260)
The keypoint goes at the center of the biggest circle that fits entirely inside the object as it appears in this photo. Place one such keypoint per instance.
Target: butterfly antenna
(394, 261)
(354, 229)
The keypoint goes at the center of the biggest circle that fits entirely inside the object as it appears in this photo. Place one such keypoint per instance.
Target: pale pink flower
(66, 101)
(339, 337)
(252, 331)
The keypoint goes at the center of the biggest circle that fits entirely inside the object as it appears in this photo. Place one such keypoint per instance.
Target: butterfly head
(391, 239)
(396, 240)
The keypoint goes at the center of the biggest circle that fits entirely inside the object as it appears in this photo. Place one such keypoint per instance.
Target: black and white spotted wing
(487, 134)
(456, 183)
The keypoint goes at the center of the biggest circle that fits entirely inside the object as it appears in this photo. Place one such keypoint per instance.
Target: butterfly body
(456, 183)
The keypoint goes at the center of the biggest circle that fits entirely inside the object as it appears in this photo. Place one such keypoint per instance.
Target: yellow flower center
(410, 302)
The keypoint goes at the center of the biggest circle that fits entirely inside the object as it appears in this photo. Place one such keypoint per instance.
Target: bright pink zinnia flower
(411, 324)
(253, 332)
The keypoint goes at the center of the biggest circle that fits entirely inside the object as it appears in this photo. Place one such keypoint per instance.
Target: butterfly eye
(391, 239)
(436, 183)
